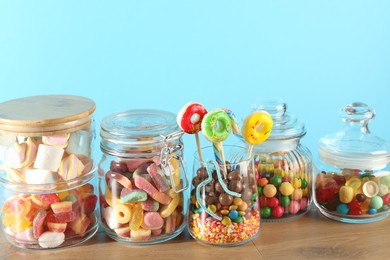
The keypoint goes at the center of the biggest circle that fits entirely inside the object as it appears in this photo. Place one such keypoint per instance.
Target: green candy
(276, 180)
(303, 183)
(265, 212)
(376, 202)
(285, 201)
(216, 126)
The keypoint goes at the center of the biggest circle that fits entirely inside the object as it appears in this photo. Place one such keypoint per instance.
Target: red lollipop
(190, 121)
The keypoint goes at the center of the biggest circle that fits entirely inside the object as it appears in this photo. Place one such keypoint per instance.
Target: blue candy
(372, 211)
(342, 208)
(233, 214)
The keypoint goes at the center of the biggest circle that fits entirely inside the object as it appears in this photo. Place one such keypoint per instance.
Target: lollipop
(235, 127)
(256, 128)
(190, 121)
(216, 127)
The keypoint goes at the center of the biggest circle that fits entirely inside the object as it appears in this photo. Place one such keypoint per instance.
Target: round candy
(269, 190)
(286, 188)
(190, 117)
(370, 189)
(342, 208)
(216, 126)
(257, 127)
(376, 202)
(265, 212)
(294, 207)
(278, 211)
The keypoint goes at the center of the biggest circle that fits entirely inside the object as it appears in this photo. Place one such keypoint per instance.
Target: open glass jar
(224, 208)
(353, 180)
(48, 198)
(284, 166)
(141, 177)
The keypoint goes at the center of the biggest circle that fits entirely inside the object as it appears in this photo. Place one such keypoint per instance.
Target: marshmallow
(15, 175)
(21, 155)
(5, 142)
(109, 217)
(79, 143)
(37, 176)
(48, 157)
(15, 155)
(59, 140)
(71, 167)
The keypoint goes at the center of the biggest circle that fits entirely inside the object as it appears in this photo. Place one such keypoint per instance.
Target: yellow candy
(243, 206)
(297, 194)
(354, 182)
(226, 221)
(122, 213)
(233, 207)
(9, 220)
(175, 167)
(296, 183)
(346, 194)
(257, 127)
(212, 208)
(237, 201)
(269, 190)
(62, 195)
(224, 212)
(241, 213)
(193, 200)
(167, 210)
(286, 189)
(137, 217)
(21, 225)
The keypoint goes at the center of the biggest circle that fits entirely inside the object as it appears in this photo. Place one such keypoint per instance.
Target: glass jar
(141, 177)
(223, 207)
(353, 179)
(48, 198)
(284, 166)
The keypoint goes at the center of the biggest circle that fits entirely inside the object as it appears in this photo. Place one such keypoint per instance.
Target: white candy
(9, 231)
(109, 216)
(37, 176)
(79, 143)
(51, 239)
(25, 236)
(48, 158)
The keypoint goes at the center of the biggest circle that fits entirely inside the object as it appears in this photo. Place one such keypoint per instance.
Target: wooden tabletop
(309, 237)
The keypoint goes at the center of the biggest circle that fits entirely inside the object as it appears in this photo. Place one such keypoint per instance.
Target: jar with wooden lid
(48, 198)
(142, 176)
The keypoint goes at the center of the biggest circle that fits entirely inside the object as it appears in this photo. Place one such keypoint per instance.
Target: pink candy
(153, 221)
(158, 178)
(143, 184)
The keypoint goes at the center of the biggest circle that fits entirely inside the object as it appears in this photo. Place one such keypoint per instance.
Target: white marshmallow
(48, 158)
(51, 239)
(109, 216)
(37, 176)
(79, 143)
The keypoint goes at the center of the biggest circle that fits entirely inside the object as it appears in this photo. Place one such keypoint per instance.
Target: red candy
(278, 211)
(273, 202)
(49, 198)
(38, 223)
(190, 117)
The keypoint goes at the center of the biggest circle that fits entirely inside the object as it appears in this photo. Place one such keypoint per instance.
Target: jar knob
(275, 107)
(357, 112)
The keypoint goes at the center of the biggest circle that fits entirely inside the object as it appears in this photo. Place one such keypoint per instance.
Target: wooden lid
(44, 115)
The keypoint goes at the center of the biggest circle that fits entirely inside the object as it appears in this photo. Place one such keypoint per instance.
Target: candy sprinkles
(224, 206)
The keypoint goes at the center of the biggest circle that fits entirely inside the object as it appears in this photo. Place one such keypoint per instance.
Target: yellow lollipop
(256, 128)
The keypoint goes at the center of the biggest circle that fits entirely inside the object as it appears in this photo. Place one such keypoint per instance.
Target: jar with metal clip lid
(284, 166)
(353, 178)
(142, 177)
(47, 174)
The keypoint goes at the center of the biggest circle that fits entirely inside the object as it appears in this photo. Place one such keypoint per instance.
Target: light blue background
(317, 55)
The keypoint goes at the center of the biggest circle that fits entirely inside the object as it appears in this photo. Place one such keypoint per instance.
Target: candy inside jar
(224, 210)
(47, 171)
(284, 166)
(141, 177)
(353, 179)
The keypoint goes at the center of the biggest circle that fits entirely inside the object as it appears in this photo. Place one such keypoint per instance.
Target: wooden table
(309, 237)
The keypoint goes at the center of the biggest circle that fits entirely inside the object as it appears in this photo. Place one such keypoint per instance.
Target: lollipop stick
(250, 151)
(199, 148)
(220, 157)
